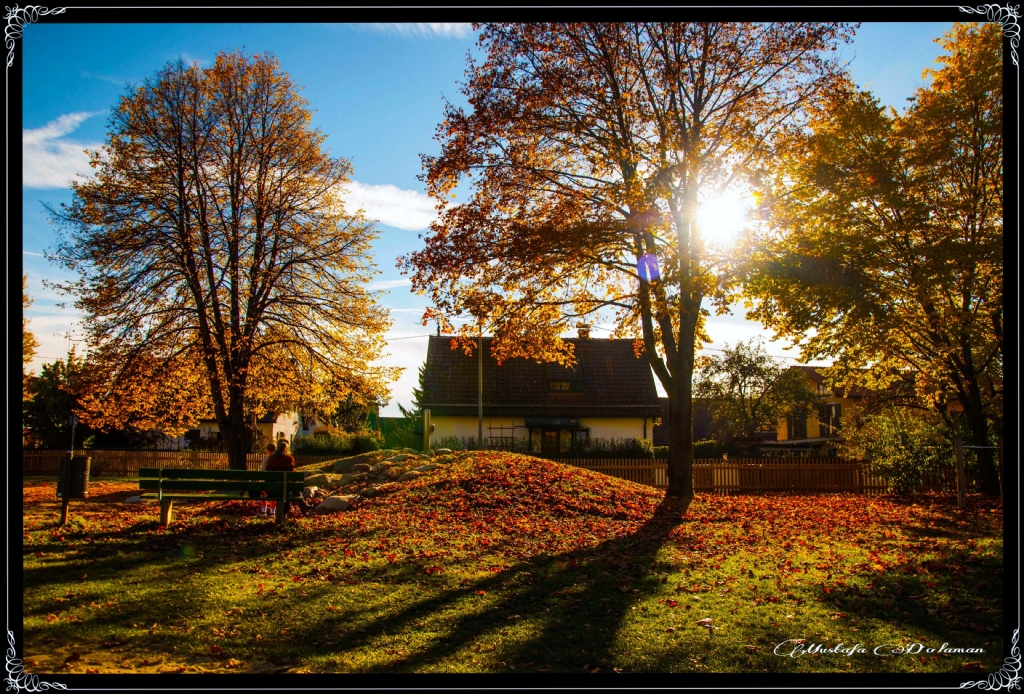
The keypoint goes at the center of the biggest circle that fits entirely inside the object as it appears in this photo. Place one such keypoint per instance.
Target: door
(549, 441)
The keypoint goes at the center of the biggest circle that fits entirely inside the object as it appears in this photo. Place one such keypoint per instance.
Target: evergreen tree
(416, 409)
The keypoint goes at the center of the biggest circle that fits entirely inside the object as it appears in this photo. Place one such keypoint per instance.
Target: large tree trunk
(988, 474)
(680, 415)
(237, 437)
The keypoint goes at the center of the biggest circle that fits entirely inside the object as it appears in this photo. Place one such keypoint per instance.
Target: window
(828, 418)
(565, 386)
(796, 426)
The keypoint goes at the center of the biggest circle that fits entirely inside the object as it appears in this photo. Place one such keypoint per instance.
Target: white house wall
(467, 427)
(600, 427)
(616, 427)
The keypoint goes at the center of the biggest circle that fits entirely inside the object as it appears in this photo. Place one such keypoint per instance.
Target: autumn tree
(590, 147)
(747, 391)
(29, 344)
(883, 236)
(214, 251)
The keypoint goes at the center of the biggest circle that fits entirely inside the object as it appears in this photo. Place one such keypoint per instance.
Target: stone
(324, 479)
(309, 491)
(346, 463)
(409, 450)
(400, 458)
(332, 504)
(352, 499)
(443, 451)
(425, 468)
(411, 475)
(133, 500)
(369, 492)
(362, 467)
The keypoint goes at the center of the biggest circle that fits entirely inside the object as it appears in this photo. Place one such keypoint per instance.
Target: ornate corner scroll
(1007, 16)
(1007, 676)
(17, 18)
(18, 679)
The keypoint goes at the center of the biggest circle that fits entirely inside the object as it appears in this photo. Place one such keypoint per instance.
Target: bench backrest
(276, 484)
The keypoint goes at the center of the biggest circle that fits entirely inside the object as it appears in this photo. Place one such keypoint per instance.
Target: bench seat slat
(271, 487)
(240, 475)
(205, 497)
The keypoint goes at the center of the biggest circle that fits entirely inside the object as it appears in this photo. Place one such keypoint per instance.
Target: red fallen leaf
(826, 589)
(751, 647)
(296, 578)
(672, 603)
(481, 592)
(91, 671)
(73, 657)
(216, 650)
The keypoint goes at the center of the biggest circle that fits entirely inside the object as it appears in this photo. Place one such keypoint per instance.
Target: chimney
(583, 331)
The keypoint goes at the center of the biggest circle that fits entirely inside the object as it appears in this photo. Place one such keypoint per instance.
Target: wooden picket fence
(709, 475)
(127, 463)
(747, 474)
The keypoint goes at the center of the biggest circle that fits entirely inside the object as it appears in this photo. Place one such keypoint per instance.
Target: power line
(410, 337)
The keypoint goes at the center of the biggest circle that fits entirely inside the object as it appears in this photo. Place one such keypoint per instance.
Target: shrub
(336, 443)
(902, 445)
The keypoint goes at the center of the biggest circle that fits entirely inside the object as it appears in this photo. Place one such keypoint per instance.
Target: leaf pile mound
(498, 504)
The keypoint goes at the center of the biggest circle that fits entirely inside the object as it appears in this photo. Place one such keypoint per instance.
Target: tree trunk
(988, 475)
(680, 415)
(237, 438)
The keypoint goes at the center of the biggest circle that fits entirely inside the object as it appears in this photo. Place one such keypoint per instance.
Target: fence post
(961, 477)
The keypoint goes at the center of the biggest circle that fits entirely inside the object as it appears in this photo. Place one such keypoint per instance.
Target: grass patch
(501, 562)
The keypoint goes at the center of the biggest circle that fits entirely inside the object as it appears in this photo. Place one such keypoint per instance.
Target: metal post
(999, 447)
(426, 430)
(73, 420)
(480, 391)
(961, 477)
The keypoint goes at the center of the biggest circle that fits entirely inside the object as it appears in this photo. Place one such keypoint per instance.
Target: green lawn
(499, 562)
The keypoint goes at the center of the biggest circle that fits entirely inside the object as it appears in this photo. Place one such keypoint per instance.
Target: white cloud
(426, 29)
(391, 205)
(390, 284)
(113, 79)
(51, 160)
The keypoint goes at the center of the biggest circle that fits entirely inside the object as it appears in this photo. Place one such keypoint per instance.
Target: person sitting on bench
(280, 460)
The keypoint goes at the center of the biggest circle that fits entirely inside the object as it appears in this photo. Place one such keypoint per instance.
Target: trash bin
(72, 483)
(73, 478)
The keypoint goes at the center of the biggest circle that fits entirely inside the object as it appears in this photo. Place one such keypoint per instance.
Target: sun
(723, 217)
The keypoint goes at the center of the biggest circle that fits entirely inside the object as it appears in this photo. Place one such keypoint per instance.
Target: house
(818, 433)
(608, 394)
(272, 425)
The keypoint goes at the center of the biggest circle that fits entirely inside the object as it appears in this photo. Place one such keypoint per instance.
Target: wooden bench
(168, 485)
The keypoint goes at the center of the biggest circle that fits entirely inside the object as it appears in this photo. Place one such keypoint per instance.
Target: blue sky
(377, 92)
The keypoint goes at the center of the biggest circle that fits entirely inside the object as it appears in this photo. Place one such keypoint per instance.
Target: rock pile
(343, 483)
